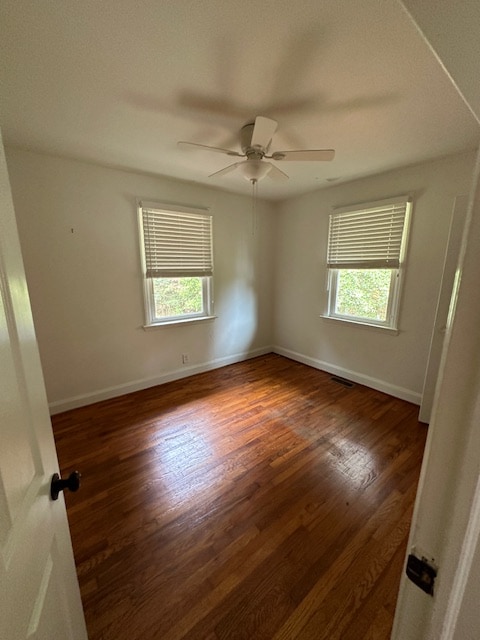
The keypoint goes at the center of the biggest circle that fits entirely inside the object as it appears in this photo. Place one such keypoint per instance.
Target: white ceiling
(119, 82)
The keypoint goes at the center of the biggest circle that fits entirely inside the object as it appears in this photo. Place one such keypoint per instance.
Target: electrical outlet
(185, 358)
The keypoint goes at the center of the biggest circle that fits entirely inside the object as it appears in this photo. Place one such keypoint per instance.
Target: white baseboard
(354, 376)
(136, 385)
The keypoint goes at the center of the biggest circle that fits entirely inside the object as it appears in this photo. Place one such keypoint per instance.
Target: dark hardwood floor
(261, 501)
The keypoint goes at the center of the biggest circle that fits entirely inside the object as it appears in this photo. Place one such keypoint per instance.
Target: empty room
(239, 246)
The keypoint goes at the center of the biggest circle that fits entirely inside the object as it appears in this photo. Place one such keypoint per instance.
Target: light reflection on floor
(355, 462)
(180, 451)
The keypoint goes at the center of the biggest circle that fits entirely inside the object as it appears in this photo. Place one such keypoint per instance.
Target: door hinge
(422, 573)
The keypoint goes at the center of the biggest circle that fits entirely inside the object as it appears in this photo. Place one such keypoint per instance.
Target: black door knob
(72, 483)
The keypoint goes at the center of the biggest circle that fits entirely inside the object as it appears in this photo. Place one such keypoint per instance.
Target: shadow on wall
(241, 285)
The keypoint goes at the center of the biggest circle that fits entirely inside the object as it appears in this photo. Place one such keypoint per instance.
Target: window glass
(363, 293)
(173, 297)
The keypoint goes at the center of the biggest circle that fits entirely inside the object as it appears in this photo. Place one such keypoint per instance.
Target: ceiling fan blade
(263, 131)
(306, 154)
(277, 174)
(206, 147)
(222, 172)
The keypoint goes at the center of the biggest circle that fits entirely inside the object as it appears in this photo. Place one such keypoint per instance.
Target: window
(176, 246)
(366, 251)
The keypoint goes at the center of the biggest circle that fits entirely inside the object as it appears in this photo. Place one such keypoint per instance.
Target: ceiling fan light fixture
(254, 169)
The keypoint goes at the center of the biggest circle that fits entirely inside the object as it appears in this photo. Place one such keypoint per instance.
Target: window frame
(151, 319)
(397, 272)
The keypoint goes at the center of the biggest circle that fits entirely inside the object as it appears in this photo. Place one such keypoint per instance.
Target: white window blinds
(369, 237)
(177, 243)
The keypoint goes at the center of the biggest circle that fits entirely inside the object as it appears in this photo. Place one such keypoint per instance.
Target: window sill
(169, 323)
(365, 325)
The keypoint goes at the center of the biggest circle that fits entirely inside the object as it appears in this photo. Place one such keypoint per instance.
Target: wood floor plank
(261, 501)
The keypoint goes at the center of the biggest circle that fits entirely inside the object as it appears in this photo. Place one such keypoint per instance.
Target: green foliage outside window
(177, 296)
(363, 293)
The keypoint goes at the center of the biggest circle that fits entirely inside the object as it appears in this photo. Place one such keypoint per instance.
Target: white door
(443, 305)
(39, 594)
(446, 521)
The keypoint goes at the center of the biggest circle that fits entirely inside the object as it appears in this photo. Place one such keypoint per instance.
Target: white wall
(393, 363)
(86, 286)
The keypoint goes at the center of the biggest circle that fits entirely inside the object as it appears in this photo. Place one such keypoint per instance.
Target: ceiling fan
(255, 140)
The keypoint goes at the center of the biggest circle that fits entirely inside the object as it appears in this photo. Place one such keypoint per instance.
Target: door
(448, 279)
(446, 521)
(39, 594)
